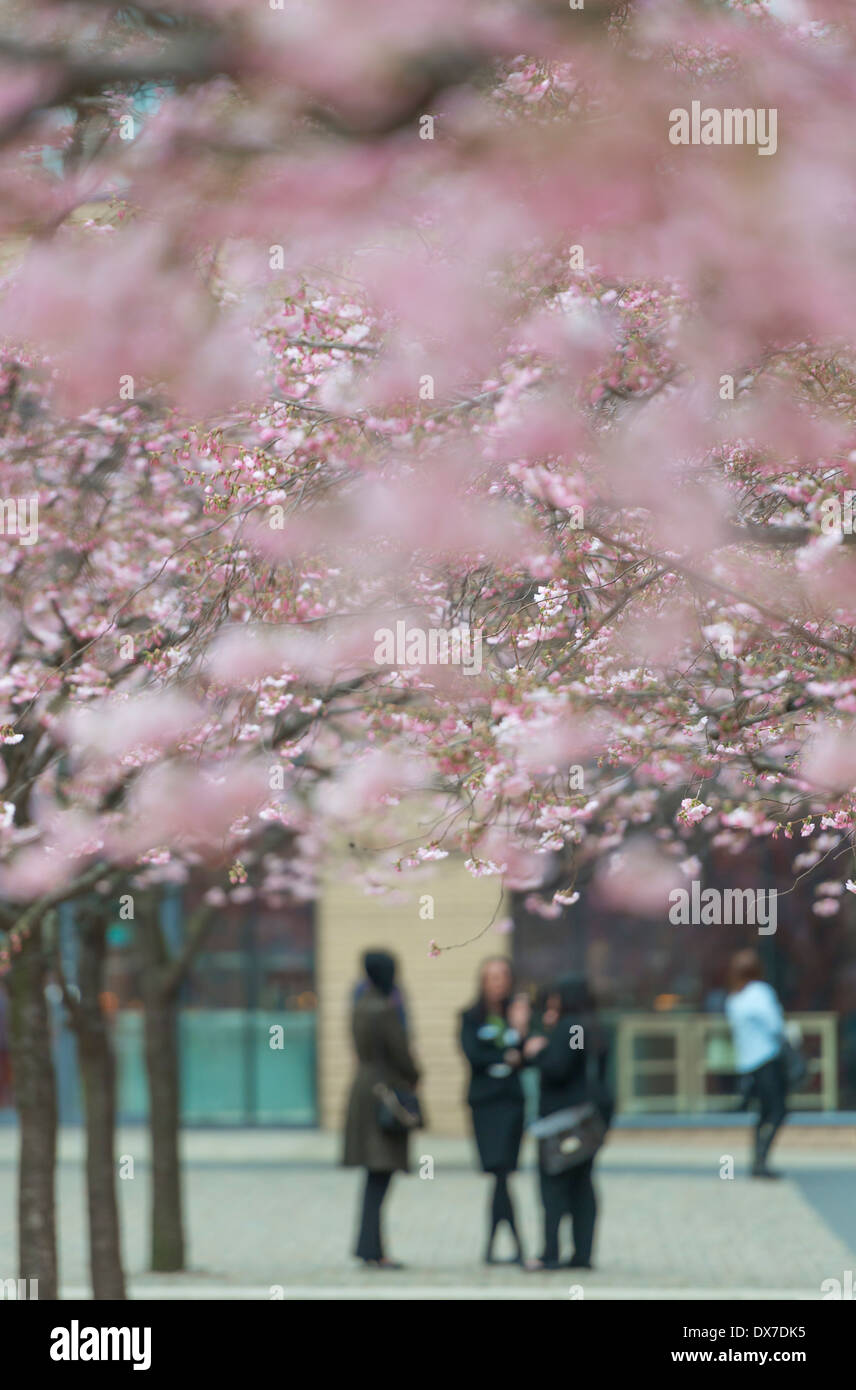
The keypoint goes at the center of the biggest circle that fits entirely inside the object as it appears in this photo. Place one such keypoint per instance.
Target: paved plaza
(270, 1214)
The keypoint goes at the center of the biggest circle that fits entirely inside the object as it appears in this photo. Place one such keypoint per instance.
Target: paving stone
(268, 1210)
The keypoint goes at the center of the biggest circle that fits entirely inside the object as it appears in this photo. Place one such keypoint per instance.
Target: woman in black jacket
(572, 1061)
(492, 1032)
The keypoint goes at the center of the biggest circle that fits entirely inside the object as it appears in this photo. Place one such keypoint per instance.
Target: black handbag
(569, 1137)
(398, 1110)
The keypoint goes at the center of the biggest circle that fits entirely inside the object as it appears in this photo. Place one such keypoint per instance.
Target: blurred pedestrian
(382, 1106)
(492, 1033)
(758, 1027)
(571, 1057)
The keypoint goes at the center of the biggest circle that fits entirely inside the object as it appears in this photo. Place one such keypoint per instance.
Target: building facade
(264, 1018)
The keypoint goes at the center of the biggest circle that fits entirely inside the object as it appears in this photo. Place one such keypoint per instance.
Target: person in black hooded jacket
(383, 1057)
(570, 1075)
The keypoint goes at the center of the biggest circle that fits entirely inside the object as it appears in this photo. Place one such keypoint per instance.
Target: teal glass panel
(285, 1077)
(133, 1102)
(230, 1072)
(214, 1067)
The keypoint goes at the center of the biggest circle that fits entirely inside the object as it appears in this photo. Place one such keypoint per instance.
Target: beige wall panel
(350, 923)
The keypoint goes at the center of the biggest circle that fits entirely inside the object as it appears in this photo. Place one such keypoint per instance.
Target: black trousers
(769, 1086)
(369, 1242)
(501, 1209)
(571, 1193)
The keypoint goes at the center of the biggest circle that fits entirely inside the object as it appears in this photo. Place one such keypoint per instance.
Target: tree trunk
(34, 1085)
(98, 1071)
(162, 1071)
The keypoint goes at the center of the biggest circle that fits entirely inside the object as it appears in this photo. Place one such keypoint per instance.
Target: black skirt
(498, 1127)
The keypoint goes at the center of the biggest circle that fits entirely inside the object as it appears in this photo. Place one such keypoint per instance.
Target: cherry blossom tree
(426, 428)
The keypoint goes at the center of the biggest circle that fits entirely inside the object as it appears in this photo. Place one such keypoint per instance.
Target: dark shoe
(535, 1266)
(762, 1171)
(576, 1263)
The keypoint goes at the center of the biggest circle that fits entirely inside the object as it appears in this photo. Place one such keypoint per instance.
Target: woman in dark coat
(570, 1076)
(383, 1055)
(491, 1035)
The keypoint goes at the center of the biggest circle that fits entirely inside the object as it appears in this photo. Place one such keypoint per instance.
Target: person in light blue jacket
(758, 1027)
